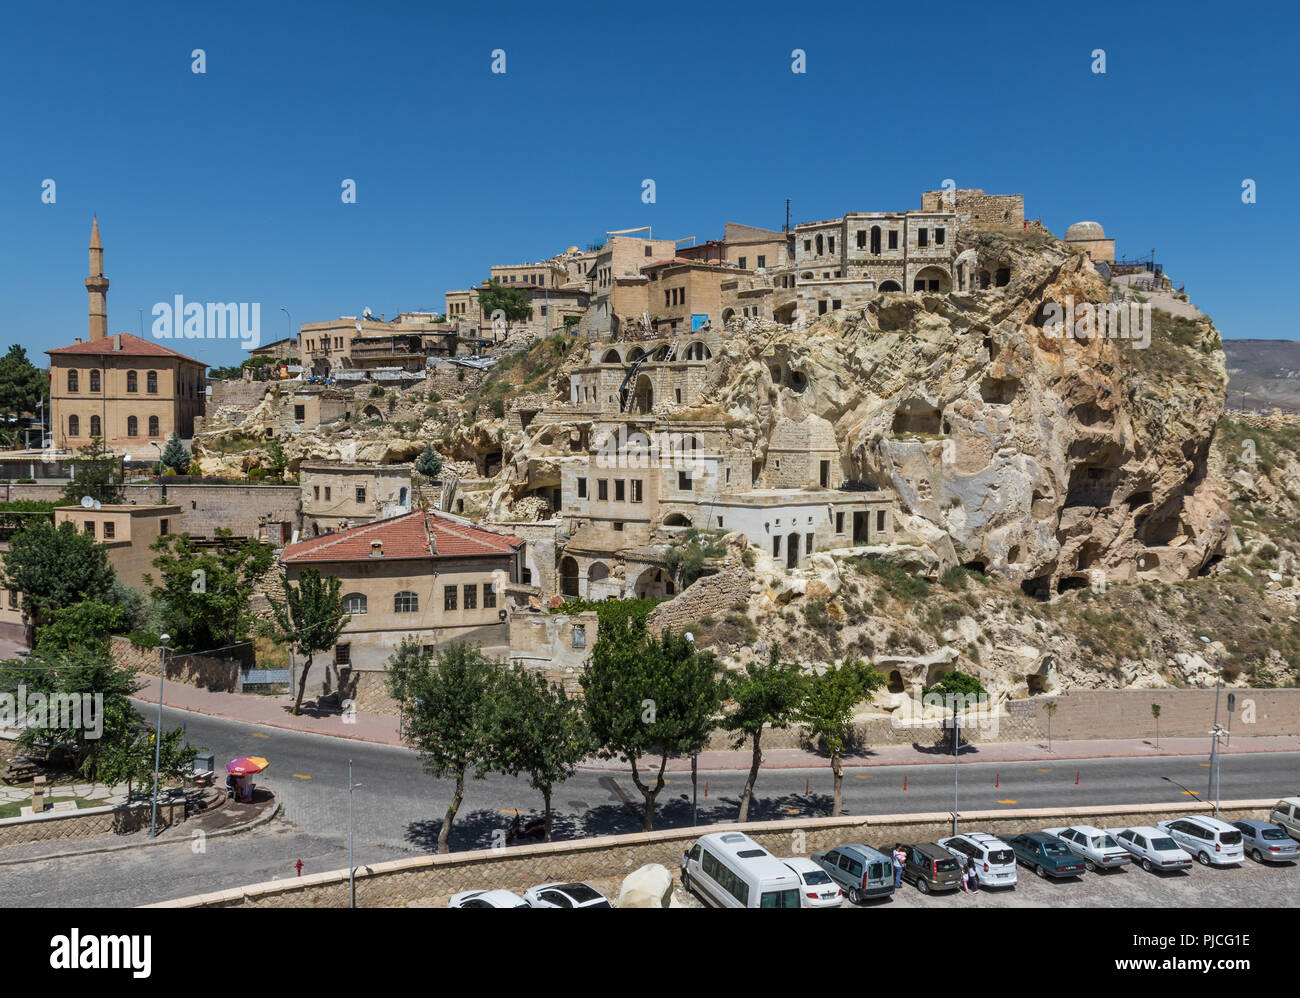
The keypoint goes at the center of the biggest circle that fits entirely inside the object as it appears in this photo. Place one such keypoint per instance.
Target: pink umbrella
(246, 765)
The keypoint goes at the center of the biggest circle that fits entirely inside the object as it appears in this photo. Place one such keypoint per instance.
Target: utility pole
(157, 734)
(787, 215)
(352, 866)
(1214, 733)
(956, 747)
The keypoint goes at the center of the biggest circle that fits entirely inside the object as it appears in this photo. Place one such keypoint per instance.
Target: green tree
(96, 472)
(649, 696)
(514, 303)
(276, 459)
(310, 619)
(1049, 706)
(56, 567)
(1155, 714)
(827, 709)
(956, 683)
(428, 463)
(82, 629)
(537, 729)
(765, 695)
(447, 704)
(174, 455)
(22, 384)
(204, 592)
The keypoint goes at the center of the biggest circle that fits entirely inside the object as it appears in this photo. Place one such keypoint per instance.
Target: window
(354, 604)
(830, 245)
(162, 528)
(95, 427)
(110, 530)
(342, 654)
(151, 382)
(741, 261)
(636, 489)
(893, 239)
(489, 596)
(684, 481)
(922, 237)
(132, 382)
(449, 597)
(13, 599)
(618, 525)
(602, 490)
(471, 597)
(862, 238)
(315, 491)
(839, 523)
(939, 235)
(94, 381)
(299, 413)
(361, 494)
(620, 490)
(582, 488)
(762, 262)
(132, 426)
(153, 426)
(89, 527)
(807, 245)
(647, 251)
(579, 636)
(808, 541)
(72, 381)
(406, 602)
(327, 493)
(74, 426)
(880, 520)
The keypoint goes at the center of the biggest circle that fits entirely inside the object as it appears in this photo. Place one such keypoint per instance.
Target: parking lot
(1250, 885)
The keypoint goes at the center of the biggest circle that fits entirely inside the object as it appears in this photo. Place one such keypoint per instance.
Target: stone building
(425, 575)
(285, 349)
(644, 375)
(123, 389)
(349, 342)
(1091, 238)
(337, 495)
(618, 284)
(127, 532)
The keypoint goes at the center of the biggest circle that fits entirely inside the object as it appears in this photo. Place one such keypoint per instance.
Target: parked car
(487, 899)
(1266, 843)
(731, 870)
(862, 872)
(931, 867)
(1286, 814)
(816, 888)
(562, 895)
(1046, 855)
(1210, 840)
(995, 861)
(1154, 849)
(1098, 849)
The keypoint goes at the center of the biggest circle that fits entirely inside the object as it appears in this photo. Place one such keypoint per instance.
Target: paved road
(398, 808)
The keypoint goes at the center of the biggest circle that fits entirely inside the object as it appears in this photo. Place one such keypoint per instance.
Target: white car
(1153, 848)
(1097, 848)
(561, 895)
(1212, 841)
(995, 862)
(486, 899)
(816, 888)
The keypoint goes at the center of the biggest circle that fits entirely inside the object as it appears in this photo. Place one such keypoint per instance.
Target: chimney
(117, 342)
(376, 549)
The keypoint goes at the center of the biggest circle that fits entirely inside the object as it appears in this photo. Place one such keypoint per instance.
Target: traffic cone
(706, 789)
(904, 783)
(1076, 777)
(806, 789)
(997, 782)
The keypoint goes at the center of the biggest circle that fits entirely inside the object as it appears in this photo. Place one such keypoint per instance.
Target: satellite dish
(366, 313)
(97, 504)
(359, 325)
(87, 502)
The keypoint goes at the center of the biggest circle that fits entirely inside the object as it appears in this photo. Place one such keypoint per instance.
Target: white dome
(1084, 230)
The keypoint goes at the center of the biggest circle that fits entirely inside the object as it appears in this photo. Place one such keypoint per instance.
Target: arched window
(819, 245)
(132, 382)
(95, 427)
(401, 496)
(406, 602)
(74, 426)
(153, 426)
(94, 381)
(354, 604)
(151, 382)
(72, 381)
(132, 426)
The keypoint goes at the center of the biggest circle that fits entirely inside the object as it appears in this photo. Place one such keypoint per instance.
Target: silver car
(1096, 847)
(1267, 843)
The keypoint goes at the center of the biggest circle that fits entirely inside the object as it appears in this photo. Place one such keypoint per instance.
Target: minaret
(97, 286)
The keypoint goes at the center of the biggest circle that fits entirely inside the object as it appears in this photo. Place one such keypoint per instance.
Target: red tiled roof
(414, 535)
(132, 346)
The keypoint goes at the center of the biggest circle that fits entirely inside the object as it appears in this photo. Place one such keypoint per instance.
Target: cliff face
(1049, 459)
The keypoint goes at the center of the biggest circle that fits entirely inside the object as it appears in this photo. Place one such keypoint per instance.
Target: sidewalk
(273, 712)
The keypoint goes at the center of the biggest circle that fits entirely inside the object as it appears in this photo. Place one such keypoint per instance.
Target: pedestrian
(899, 857)
(972, 875)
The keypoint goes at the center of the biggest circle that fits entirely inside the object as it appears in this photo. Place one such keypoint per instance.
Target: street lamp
(1212, 790)
(695, 753)
(157, 733)
(155, 443)
(352, 867)
(956, 749)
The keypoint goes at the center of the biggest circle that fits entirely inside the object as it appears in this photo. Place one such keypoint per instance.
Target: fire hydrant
(298, 866)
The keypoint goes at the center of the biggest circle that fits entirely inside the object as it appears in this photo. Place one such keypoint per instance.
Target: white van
(1286, 813)
(731, 870)
(1208, 839)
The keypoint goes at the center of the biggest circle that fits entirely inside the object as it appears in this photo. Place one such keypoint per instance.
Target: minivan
(863, 872)
(731, 870)
(1208, 839)
(995, 862)
(931, 867)
(1286, 813)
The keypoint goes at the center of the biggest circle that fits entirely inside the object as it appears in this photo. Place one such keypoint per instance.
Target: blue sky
(226, 186)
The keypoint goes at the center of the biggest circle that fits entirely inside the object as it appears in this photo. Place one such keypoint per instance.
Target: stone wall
(450, 384)
(118, 819)
(977, 209)
(433, 879)
(243, 394)
(1183, 713)
(219, 674)
(709, 595)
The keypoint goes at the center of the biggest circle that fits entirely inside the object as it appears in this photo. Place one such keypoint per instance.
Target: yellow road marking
(1187, 792)
(300, 776)
(1047, 770)
(863, 776)
(791, 810)
(1006, 802)
(1205, 764)
(510, 810)
(258, 734)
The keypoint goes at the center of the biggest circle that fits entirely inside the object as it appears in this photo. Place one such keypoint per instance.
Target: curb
(260, 820)
(273, 724)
